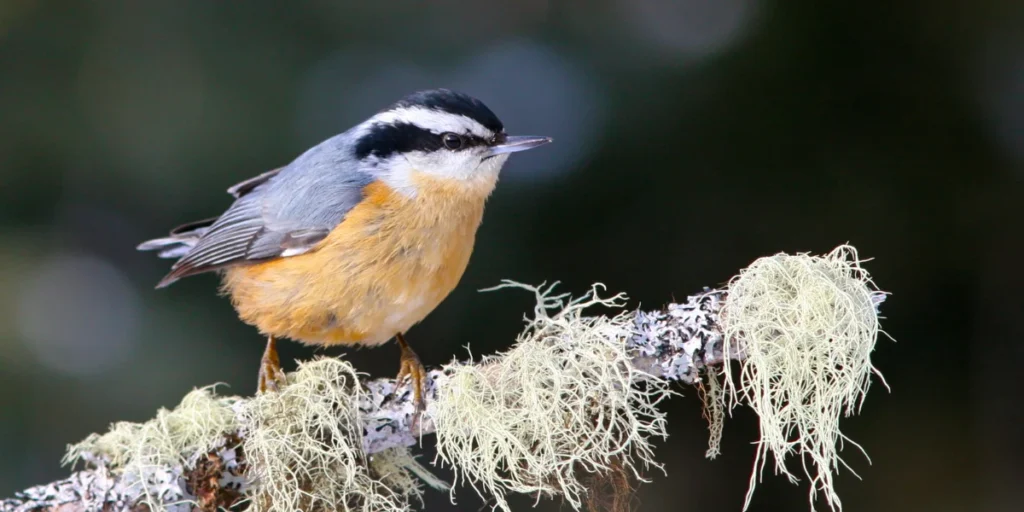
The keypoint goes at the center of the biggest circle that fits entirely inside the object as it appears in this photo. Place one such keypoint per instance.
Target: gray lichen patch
(679, 341)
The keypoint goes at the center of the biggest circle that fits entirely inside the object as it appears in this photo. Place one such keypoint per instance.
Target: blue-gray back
(278, 213)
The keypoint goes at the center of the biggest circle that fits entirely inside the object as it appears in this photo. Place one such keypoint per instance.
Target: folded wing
(262, 224)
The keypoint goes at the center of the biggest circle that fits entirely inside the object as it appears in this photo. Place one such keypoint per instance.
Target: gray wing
(276, 214)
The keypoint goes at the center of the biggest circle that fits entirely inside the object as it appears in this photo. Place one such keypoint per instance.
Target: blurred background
(691, 137)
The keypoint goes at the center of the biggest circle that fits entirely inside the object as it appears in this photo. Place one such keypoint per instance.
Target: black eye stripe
(384, 140)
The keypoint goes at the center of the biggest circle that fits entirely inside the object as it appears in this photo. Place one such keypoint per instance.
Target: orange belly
(383, 269)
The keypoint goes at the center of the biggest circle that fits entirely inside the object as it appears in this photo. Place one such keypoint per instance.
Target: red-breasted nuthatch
(361, 236)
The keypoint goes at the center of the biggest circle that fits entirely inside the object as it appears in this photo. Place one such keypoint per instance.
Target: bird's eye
(452, 140)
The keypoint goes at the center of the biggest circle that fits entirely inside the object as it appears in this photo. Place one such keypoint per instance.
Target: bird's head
(438, 135)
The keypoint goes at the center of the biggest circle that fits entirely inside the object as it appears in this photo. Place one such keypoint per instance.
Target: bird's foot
(412, 367)
(272, 377)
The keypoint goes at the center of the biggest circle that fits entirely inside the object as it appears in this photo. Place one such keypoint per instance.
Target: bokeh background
(692, 136)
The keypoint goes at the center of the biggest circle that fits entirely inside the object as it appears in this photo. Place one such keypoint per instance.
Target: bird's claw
(271, 378)
(412, 367)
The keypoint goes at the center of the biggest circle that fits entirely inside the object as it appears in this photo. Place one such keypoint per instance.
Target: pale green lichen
(304, 445)
(565, 402)
(197, 425)
(805, 327)
(712, 397)
(399, 470)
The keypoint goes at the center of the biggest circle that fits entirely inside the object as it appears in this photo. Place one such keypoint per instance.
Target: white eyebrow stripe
(433, 120)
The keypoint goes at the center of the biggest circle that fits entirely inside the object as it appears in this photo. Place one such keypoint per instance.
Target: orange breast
(384, 268)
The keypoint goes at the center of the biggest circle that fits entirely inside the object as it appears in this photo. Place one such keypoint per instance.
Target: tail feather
(181, 240)
(170, 247)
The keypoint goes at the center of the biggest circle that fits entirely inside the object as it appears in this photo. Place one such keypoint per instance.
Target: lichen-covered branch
(675, 343)
(564, 400)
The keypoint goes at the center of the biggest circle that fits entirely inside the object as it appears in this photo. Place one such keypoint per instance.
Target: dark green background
(691, 138)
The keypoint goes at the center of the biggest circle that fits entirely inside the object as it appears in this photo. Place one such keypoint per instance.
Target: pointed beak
(513, 144)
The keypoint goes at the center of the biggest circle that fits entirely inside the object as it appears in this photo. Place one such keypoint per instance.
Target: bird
(358, 238)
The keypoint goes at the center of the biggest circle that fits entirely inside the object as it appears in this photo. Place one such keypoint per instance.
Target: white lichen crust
(389, 415)
(678, 342)
(87, 491)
